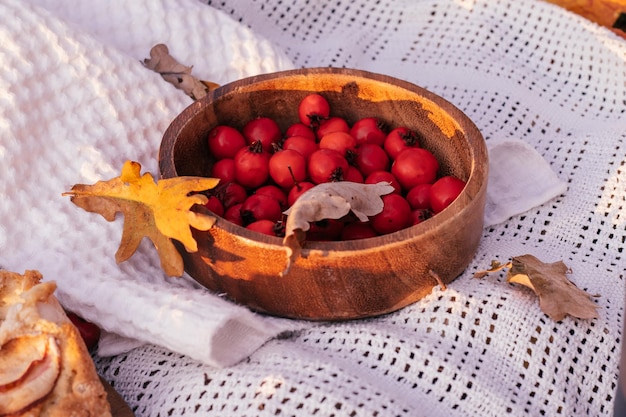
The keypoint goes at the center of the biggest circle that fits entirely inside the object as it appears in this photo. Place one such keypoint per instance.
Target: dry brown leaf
(176, 73)
(159, 211)
(495, 266)
(332, 200)
(558, 296)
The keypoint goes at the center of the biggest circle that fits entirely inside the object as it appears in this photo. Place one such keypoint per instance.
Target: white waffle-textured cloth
(76, 103)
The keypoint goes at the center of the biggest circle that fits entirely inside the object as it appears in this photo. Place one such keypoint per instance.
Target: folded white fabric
(519, 179)
(75, 103)
(192, 322)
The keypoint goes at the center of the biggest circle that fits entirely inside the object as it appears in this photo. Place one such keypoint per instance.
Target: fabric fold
(519, 179)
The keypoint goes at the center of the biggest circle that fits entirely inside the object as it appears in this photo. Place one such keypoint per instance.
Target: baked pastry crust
(45, 367)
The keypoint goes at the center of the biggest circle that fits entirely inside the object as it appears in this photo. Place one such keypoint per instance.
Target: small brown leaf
(332, 200)
(176, 73)
(156, 211)
(558, 296)
(495, 266)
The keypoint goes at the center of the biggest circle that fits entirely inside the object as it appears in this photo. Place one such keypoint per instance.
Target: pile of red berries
(263, 171)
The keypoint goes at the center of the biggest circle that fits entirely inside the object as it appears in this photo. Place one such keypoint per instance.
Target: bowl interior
(352, 94)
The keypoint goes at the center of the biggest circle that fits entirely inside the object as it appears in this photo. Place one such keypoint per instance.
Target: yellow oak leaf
(558, 296)
(159, 211)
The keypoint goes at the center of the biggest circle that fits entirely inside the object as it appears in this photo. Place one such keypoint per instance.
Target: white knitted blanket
(75, 102)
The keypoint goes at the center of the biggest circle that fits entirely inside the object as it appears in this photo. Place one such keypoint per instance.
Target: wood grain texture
(603, 12)
(334, 280)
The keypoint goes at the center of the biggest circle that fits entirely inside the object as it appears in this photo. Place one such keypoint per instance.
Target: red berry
(301, 144)
(89, 332)
(312, 109)
(267, 227)
(252, 166)
(353, 175)
(371, 158)
(274, 192)
(297, 190)
(230, 193)
(225, 141)
(215, 205)
(233, 214)
(287, 167)
(420, 215)
(325, 230)
(326, 165)
(384, 176)
(357, 230)
(341, 142)
(224, 169)
(444, 191)
(333, 124)
(399, 139)
(396, 215)
(369, 130)
(264, 130)
(299, 129)
(414, 166)
(260, 207)
(419, 196)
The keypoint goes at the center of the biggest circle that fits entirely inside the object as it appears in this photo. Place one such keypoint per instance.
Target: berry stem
(296, 183)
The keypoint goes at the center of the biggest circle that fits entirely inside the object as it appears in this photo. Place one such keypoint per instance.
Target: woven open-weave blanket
(76, 101)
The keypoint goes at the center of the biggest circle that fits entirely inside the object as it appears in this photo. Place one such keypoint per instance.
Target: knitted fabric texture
(521, 70)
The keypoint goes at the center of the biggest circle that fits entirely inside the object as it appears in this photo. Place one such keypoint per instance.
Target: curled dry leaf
(159, 211)
(558, 296)
(332, 200)
(175, 73)
(495, 266)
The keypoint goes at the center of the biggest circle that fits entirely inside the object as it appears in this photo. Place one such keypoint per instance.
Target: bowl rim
(477, 178)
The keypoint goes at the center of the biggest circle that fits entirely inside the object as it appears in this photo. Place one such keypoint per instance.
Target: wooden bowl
(334, 280)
